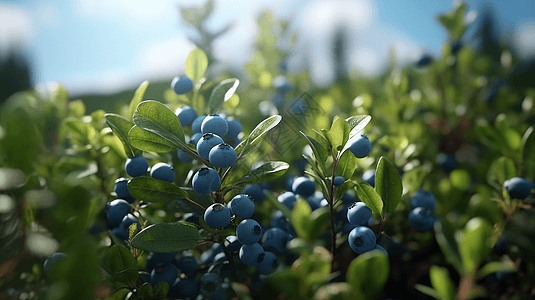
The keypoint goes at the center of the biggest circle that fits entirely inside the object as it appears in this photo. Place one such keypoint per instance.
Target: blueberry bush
(417, 184)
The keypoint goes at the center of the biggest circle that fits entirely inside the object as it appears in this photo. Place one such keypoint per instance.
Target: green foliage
(167, 237)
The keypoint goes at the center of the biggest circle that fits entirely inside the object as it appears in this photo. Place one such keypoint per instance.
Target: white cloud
(524, 39)
(16, 28)
(104, 82)
(139, 11)
(165, 58)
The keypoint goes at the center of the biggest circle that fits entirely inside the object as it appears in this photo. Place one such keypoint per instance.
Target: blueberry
(298, 107)
(278, 100)
(255, 191)
(278, 219)
(206, 143)
(425, 60)
(358, 214)
(222, 156)
(314, 201)
(207, 257)
(369, 177)
(121, 189)
(282, 84)
(518, 187)
(269, 264)
(347, 198)
(206, 180)
(446, 161)
(289, 181)
(214, 124)
(186, 115)
(423, 199)
(217, 216)
(52, 262)
(210, 283)
(251, 255)
(249, 231)
(360, 146)
(184, 156)
(163, 172)
(187, 263)
(120, 232)
(338, 180)
(303, 186)
(220, 258)
(421, 219)
(166, 272)
(242, 206)
(196, 125)
(128, 220)
(136, 166)
(379, 247)
(275, 239)
(195, 138)
(116, 210)
(156, 258)
(185, 288)
(234, 127)
(232, 243)
(182, 85)
(361, 239)
(287, 198)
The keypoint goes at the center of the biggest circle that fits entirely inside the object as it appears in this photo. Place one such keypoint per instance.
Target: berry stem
(331, 204)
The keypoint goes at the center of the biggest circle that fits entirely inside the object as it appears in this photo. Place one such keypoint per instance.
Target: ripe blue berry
(166, 272)
(222, 156)
(255, 191)
(214, 124)
(186, 115)
(360, 146)
(163, 172)
(182, 85)
(423, 199)
(210, 283)
(136, 166)
(249, 231)
(275, 239)
(206, 143)
(121, 189)
(196, 125)
(120, 232)
(358, 214)
(232, 243)
(242, 206)
(287, 198)
(303, 186)
(194, 139)
(52, 262)
(446, 161)
(217, 216)
(251, 255)
(184, 288)
(314, 201)
(361, 239)
(282, 84)
(338, 180)
(184, 156)
(269, 264)
(518, 187)
(128, 220)
(369, 177)
(206, 180)
(421, 219)
(156, 258)
(278, 219)
(116, 210)
(187, 263)
(234, 127)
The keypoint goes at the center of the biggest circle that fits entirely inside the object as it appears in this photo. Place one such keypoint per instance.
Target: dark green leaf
(300, 218)
(317, 148)
(339, 133)
(388, 184)
(321, 139)
(154, 190)
(157, 118)
(369, 196)
(257, 135)
(138, 96)
(448, 248)
(474, 243)
(346, 165)
(196, 64)
(368, 273)
(340, 190)
(266, 172)
(319, 218)
(167, 237)
(121, 126)
(442, 283)
(314, 164)
(528, 154)
(148, 141)
(145, 291)
(221, 93)
(161, 290)
(122, 264)
(319, 181)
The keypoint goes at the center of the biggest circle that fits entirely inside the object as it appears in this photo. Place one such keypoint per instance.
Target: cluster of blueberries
(421, 216)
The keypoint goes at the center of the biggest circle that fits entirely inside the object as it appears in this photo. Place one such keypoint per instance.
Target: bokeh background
(105, 47)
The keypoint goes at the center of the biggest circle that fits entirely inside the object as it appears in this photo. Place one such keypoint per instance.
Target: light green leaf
(474, 243)
(318, 149)
(196, 64)
(368, 273)
(138, 96)
(154, 190)
(339, 133)
(157, 118)
(257, 135)
(357, 123)
(120, 127)
(496, 266)
(528, 153)
(346, 165)
(442, 283)
(388, 184)
(148, 141)
(369, 196)
(221, 93)
(300, 218)
(500, 170)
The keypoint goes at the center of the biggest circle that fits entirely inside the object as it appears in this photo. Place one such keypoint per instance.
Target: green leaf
(442, 283)
(388, 184)
(496, 266)
(82, 131)
(427, 291)
(161, 290)
(221, 93)
(346, 165)
(266, 172)
(157, 118)
(454, 22)
(122, 265)
(357, 123)
(318, 219)
(340, 190)
(154, 190)
(167, 237)
(339, 133)
(195, 203)
(300, 218)
(334, 291)
(148, 141)
(500, 170)
(368, 273)
(145, 291)
(369, 196)
(320, 153)
(414, 178)
(138, 96)
(319, 181)
(448, 248)
(528, 153)
(460, 179)
(196, 64)
(257, 135)
(474, 243)
(121, 126)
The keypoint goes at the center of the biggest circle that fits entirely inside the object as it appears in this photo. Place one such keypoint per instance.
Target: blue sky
(108, 45)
